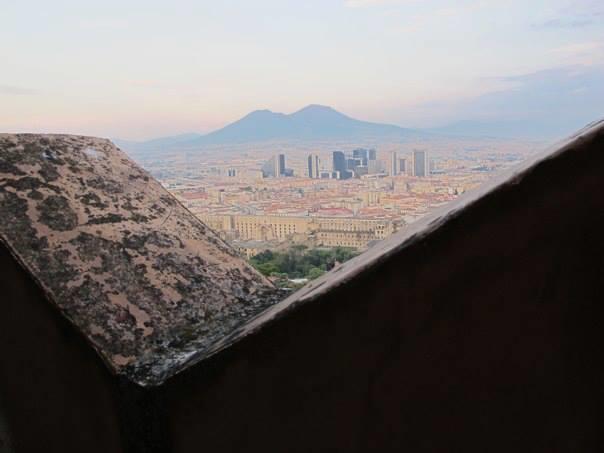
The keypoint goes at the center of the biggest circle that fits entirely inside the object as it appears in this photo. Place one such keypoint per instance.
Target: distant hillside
(534, 129)
(158, 143)
(312, 123)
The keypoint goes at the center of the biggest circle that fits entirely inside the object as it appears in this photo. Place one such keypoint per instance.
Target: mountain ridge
(314, 122)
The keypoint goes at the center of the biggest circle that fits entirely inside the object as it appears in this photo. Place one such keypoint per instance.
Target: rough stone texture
(139, 275)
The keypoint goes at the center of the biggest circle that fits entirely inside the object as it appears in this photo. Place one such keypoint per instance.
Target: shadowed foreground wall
(486, 335)
(55, 392)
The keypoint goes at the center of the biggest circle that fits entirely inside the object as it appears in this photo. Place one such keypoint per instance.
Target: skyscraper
(275, 166)
(393, 164)
(372, 154)
(339, 161)
(420, 163)
(313, 166)
(362, 154)
(268, 167)
(373, 166)
(339, 165)
(359, 153)
(279, 165)
(402, 166)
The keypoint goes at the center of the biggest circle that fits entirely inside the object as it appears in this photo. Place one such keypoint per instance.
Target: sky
(144, 69)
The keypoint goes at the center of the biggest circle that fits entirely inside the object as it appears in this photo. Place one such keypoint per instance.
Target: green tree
(299, 262)
(314, 272)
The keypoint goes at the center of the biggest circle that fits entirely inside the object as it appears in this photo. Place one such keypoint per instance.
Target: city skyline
(358, 163)
(286, 205)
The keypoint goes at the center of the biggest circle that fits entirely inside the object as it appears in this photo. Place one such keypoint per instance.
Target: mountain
(312, 123)
(157, 143)
(544, 105)
(496, 129)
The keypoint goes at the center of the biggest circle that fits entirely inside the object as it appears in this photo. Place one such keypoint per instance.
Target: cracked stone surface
(147, 283)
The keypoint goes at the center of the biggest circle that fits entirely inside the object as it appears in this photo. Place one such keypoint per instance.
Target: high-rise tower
(313, 166)
(393, 164)
(340, 165)
(420, 164)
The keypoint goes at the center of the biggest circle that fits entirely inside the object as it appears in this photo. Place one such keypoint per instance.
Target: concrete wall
(483, 336)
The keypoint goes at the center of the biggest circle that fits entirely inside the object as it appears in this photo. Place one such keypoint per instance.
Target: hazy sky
(141, 69)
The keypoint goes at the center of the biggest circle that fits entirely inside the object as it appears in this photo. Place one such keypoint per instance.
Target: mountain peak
(316, 112)
(317, 108)
(262, 112)
(314, 122)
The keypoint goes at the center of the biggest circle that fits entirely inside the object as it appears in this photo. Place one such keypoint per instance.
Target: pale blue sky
(141, 69)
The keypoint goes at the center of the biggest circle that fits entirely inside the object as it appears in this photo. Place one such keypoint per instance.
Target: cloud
(368, 3)
(579, 14)
(461, 8)
(453, 9)
(585, 7)
(545, 104)
(10, 90)
(435, 18)
(586, 53)
(103, 24)
(566, 23)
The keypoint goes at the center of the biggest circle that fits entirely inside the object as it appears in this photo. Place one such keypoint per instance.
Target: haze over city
(140, 70)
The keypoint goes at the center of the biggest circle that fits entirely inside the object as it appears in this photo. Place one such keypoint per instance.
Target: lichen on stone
(147, 283)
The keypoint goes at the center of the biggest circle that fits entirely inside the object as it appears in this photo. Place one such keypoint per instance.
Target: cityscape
(280, 197)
